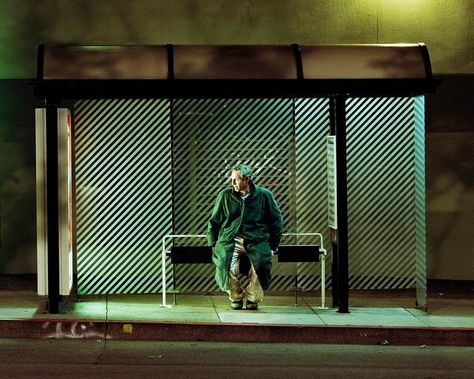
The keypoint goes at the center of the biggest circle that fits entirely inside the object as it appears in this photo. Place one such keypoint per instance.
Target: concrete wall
(450, 179)
(444, 25)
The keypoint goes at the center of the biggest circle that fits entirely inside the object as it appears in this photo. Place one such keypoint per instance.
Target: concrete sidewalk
(376, 317)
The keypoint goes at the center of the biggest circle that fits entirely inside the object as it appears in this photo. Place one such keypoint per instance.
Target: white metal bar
(163, 271)
(323, 279)
(300, 234)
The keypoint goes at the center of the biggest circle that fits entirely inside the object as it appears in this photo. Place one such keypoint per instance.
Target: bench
(188, 254)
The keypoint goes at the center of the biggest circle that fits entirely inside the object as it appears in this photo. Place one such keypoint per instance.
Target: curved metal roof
(233, 70)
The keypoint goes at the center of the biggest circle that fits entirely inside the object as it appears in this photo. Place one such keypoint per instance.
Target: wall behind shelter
(444, 25)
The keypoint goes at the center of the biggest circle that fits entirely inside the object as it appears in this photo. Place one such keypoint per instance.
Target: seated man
(245, 220)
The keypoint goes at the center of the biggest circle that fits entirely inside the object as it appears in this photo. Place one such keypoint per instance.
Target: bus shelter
(134, 142)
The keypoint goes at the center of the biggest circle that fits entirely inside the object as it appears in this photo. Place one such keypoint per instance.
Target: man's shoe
(236, 305)
(251, 305)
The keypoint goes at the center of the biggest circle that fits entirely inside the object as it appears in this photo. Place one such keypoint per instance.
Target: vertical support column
(333, 232)
(52, 204)
(342, 253)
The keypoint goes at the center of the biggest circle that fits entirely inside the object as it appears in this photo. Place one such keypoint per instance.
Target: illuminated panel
(64, 215)
(41, 206)
(65, 201)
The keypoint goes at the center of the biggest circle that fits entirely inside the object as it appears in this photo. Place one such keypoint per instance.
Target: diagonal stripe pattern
(312, 126)
(421, 283)
(210, 137)
(381, 192)
(146, 168)
(123, 197)
(282, 139)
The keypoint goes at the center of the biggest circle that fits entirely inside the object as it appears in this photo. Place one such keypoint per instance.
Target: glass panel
(105, 62)
(363, 62)
(281, 139)
(234, 62)
(381, 192)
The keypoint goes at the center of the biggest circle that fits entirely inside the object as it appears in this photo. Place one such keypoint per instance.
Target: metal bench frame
(322, 262)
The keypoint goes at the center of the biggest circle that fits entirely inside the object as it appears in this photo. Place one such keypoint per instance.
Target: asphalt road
(65, 358)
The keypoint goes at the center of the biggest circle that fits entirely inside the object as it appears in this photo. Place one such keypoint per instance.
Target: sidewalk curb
(227, 332)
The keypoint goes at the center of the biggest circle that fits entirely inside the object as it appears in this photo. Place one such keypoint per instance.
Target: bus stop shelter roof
(167, 71)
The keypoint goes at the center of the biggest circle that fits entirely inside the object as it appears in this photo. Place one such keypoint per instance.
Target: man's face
(240, 184)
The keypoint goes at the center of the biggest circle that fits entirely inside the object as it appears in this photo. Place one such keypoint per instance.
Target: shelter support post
(52, 204)
(342, 253)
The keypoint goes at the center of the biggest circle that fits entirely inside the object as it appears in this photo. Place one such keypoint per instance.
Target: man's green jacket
(258, 217)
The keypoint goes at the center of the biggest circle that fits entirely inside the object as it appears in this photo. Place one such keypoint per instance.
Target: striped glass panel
(312, 126)
(145, 168)
(381, 192)
(123, 197)
(210, 137)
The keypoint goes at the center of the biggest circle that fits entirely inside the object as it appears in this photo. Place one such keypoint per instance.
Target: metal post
(323, 279)
(52, 204)
(342, 214)
(174, 285)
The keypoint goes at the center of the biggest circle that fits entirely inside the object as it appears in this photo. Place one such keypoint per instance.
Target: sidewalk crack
(312, 309)
(106, 327)
(215, 309)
